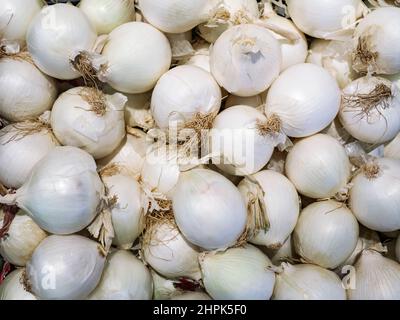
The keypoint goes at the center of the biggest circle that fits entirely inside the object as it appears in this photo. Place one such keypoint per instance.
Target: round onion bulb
(22, 146)
(307, 282)
(326, 233)
(183, 92)
(208, 209)
(370, 110)
(21, 239)
(57, 36)
(169, 253)
(63, 192)
(306, 98)
(12, 287)
(64, 267)
(136, 55)
(280, 207)
(25, 92)
(374, 195)
(87, 118)
(237, 274)
(125, 277)
(246, 59)
(318, 166)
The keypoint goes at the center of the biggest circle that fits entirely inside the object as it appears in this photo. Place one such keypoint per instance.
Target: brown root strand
(371, 170)
(25, 129)
(363, 55)
(24, 280)
(24, 55)
(96, 99)
(9, 215)
(83, 64)
(201, 122)
(110, 170)
(271, 126)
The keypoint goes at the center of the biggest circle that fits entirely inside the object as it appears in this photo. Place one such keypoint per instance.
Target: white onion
(192, 296)
(127, 213)
(175, 16)
(12, 287)
(325, 19)
(15, 16)
(56, 36)
(106, 15)
(136, 56)
(21, 239)
(326, 233)
(253, 101)
(209, 209)
(374, 52)
(180, 45)
(169, 253)
(25, 92)
(237, 274)
(124, 278)
(201, 57)
(376, 278)
(375, 193)
(306, 99)
(281, 207)
(65, 267)
(285, 252)
(318, 166)
(182, 92)
(22, 146)
(246, 59)
(241, 141)
(307, 282)
(86, 118)
(370, 110)
(392, 149)
(63, 192)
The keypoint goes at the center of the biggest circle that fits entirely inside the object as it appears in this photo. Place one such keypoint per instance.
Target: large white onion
(136, 56)
(12, 288)
(318, 166)
(22, 146)
(326, 233)
(63, 192)
(374, 195)
(56, 36)
(306, 98)
(86, 118)
(25, 92)
(125, 277)
(237, 274)
(183, 92)
(307, 282)
(209, 209)
(246, 59)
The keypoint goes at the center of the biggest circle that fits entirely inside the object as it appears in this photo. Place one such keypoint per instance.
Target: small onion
(237, 274)
(65, 267)
(12, 288)
(209, 209)
(318, 166)
(125, 277)
(326, 233)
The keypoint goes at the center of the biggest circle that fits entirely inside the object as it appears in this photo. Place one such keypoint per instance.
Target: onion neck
(9, 199)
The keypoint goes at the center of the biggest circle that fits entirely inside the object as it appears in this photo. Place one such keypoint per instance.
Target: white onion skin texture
(208, 209)
(125, 277)
(25, 92)
(106, 15)
(253, 101)
(376, 278)
(18, 156)
(307, 282)
(318, 166)
(169, 253)
(382, 21)
(54, 273)
(245, 60)
(15, 16)
(175, 16)
(76, 124)
(392, 148)
(375, 201)
(237, 274)
(323, 19)
(182, 92)
(12, 287)
(326, 233)
(306, 98)
(282, 207)
(137, 55)
(23, 236)
(163, 288)
(382, 123)
(56, 35)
